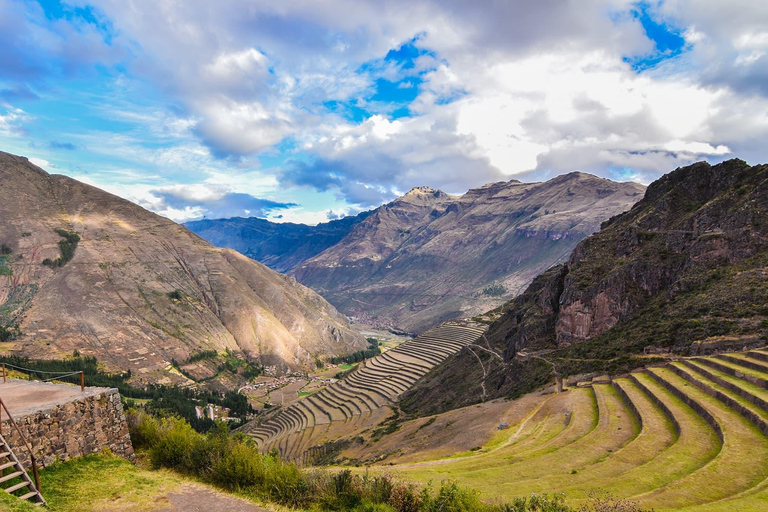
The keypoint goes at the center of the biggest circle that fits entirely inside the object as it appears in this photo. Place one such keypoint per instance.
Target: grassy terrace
(690, 435)
(684, 436)
(378, 381)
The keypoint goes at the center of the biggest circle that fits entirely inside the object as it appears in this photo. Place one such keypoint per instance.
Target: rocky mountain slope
(682, 272)
(83, 269)
(281, 246)
(428, 256)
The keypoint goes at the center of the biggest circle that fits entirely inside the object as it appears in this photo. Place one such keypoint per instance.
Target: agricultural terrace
(688, 435)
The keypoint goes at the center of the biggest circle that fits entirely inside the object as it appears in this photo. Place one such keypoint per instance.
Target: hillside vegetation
(681, 273)
(688, 435)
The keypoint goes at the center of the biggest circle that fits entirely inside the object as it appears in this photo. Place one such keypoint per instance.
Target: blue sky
(304, 111)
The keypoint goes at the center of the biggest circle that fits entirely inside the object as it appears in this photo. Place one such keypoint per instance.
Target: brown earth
(142, 291)
(456, 431)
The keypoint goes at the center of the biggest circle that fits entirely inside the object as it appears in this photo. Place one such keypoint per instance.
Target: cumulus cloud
(188, 202)
(498, 90)
(12, 122)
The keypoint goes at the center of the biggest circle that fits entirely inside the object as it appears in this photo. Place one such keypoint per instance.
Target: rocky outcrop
(429, 256)
(682, 272)
(141, 291)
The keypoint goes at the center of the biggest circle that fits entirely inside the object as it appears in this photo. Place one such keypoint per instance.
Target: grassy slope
(99, 482)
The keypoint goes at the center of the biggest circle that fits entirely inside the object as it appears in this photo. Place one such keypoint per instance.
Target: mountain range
(84, 270)
(429, 256)
(281, 246)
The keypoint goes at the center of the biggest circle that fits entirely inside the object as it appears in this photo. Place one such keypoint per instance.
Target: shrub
(66, 247)
(240, 467)
(144, 428)
(175, 295)
(452, 498)
(285, 483)
(404, 498)
(175, 445)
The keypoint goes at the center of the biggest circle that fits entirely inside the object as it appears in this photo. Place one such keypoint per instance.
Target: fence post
(3, 373)
(82, 381)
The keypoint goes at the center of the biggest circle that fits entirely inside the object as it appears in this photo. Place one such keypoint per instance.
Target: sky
(309, 110)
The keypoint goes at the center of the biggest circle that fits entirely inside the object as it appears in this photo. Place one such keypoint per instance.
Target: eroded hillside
(141, 291)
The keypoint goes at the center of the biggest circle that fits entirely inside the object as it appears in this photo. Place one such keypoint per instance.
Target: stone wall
(72, 429)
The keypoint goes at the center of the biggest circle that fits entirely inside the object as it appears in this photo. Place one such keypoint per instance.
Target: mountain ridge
(437, 256)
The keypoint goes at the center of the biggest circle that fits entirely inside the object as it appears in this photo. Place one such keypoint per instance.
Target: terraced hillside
(360, 398)
(691, 435)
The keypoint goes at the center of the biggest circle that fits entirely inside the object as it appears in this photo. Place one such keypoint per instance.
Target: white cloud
(507, 88)
(13, 121)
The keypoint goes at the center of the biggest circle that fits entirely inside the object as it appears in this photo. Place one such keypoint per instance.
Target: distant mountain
(83, 269)
(683, 272)
(428, 256)
(280, 246)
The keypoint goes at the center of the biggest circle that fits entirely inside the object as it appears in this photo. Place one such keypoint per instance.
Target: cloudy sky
(305, 110)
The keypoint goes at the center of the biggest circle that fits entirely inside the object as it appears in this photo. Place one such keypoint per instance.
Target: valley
(428, 257)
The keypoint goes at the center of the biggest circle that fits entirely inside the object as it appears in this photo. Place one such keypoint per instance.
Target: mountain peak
(424, 190)
(424, 195)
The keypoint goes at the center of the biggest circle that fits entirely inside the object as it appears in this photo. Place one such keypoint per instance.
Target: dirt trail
(191, 498)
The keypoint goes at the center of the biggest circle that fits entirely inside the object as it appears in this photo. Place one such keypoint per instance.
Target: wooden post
(3, 373)
(82, 381)
(34, 471)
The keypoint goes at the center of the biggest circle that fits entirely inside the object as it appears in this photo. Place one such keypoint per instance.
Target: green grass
(98, 482)
(604, 448)
(743, 459)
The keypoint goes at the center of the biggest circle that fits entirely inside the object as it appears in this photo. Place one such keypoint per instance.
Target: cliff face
(429, 257)
(141, 291)
(682, 272)
(282, 246)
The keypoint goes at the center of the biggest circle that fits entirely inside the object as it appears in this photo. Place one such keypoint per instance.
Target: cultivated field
(360, 400)
(690, 435)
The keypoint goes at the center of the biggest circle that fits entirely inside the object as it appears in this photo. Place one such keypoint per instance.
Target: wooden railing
(23, 440)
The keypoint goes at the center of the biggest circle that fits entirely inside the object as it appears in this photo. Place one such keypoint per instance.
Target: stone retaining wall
(72, 429)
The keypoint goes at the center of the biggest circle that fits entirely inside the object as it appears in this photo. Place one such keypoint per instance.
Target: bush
(234, 463)
(144, 428)
(404, 498)
(173, 449)
(240, 467)
(285, 483)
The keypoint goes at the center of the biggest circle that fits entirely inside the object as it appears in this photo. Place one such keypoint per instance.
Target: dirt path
(192, 498)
